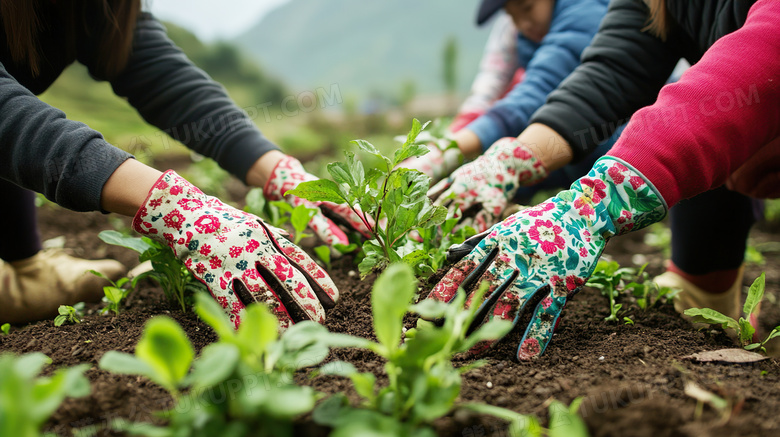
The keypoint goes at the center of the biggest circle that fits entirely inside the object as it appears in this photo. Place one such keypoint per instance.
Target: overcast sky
(213, 19)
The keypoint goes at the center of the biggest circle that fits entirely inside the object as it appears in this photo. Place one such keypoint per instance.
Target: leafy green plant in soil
(278, 213)
(423, 384)
(742, 327)
(177, 282)
(28, 400)
(608, 277)
(564, 421)
(393, 202)
(69, 314)
(241, 385)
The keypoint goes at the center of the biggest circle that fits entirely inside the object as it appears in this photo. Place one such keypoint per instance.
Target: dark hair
(658, 22)
(22, 24)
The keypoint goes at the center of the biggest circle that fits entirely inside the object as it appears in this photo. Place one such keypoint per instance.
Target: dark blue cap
(487, 9)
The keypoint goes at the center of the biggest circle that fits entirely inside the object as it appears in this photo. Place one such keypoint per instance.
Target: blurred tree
(450, 76)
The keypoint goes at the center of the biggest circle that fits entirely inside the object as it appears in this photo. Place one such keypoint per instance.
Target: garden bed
(632, 376)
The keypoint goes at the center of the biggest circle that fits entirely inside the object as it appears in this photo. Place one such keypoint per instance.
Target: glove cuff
(522, 167)
(285, 176)
(617, 190)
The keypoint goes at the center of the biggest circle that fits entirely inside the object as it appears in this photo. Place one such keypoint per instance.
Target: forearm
(127, 188)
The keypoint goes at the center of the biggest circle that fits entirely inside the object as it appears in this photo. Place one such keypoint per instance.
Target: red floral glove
(287, 174)
(238, 257)
(479, 191)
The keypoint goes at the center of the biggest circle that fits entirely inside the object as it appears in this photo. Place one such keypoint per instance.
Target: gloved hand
(287, 174)
(439, 162)
(545, 254)
(479, 191)
(238, 257)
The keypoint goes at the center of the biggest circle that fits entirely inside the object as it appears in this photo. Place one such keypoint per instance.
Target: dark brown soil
(631, 375)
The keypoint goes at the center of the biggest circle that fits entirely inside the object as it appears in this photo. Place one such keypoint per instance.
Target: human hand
(239, 258)
(545, 254)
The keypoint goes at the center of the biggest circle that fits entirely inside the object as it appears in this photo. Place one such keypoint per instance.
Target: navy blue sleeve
(573, 26)
(43, 151)
(173, 94)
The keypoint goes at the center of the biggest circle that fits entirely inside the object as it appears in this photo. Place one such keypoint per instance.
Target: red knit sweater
(721, 112)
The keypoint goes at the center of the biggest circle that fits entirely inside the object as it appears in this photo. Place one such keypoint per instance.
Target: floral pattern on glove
(547, 253)
(479, 191)
(238, 257)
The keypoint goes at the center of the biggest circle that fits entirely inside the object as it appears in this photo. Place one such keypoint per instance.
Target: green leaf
(126, 364)
(390, 298)
(564, 423)
(415, 258)
(706, 315)
(290, 401)
(492, 330)
(300, 218)
(755, 295)
(320, 190)
(323, 253)
(365, 384)
(259, 328)
(59, 320)
(216, 363)
(165, 347)
(746, 331)
(430, 309)
(337, 368)
(117, 239)
(6, 328)
(412, 150)
(213, 314)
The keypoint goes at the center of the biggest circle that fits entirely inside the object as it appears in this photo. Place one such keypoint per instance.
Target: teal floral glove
(545, 254)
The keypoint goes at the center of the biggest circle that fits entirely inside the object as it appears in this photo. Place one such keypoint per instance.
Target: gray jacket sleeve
(41, 150)
(622, 71)
(171, 93)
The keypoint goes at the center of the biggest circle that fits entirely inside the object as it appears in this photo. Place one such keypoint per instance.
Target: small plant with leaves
(609, 278)
(69, 314)
(423, 384)
(27, 400)
(391, 201)
(647, 293)
(115, 293)
(253, 364)
(564, 421)
(177, 282)
(742, 327)
(6, 328)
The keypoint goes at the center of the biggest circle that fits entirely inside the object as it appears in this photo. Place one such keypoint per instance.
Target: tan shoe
(691, 296)
(32, 289)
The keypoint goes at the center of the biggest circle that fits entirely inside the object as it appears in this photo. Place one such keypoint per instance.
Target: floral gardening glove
(287, 174)
(479, 191)
(545, 254)
(238, 257)
(440, 161)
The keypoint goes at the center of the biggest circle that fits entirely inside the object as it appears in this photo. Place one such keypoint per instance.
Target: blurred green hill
(368, 48)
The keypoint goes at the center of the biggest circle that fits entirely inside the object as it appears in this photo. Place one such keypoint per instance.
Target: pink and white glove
(437, 163)
(479, 191)
(287, 174)
(238, 257)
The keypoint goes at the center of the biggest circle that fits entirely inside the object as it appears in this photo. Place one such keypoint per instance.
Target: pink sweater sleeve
(723, 110)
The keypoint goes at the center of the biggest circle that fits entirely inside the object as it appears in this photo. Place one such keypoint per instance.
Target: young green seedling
(608, 277)
(253, 365)
(392, 201)
(422, 382)
(742, 327)
(564, 421)
(323, 253)
(648, 293)
(6, 328)
(69, 314)
(114, 294)
(27, 400)
(177, 282)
